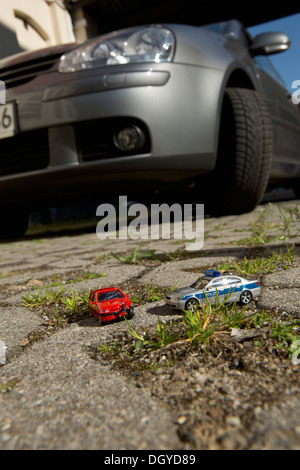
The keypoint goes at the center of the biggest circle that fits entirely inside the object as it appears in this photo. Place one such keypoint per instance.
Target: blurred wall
(33, 24)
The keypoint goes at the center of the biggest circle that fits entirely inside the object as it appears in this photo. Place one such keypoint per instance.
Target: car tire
(245, 152)
(130, 314)
(192, 305)
(245, 297)
(14, 222)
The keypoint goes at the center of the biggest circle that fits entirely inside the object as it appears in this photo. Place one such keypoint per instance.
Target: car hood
(28, 56)
(183, 291)
(110, 305)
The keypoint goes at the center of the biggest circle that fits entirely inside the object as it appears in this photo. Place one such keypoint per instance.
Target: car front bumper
(106, 317)
(176, 304)
(60, 128)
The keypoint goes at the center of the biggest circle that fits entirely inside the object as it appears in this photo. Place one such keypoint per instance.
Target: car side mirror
(269, 43)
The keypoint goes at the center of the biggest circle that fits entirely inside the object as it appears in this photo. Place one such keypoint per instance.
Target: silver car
(170, 112)
(214, 288)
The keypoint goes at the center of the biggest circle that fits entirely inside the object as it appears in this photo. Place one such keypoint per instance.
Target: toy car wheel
(192, 305)
(245, 297)
(130, 314)
(244, 154)
(102, 322)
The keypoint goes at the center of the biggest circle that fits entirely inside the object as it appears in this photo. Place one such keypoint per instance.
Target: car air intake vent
(23, 72)
(95, 139)
(27, 151)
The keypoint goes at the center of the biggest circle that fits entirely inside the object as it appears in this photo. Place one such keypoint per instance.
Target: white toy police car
(214, 287)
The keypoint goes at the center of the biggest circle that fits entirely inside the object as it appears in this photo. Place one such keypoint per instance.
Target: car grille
(27, 151)
(18, 74)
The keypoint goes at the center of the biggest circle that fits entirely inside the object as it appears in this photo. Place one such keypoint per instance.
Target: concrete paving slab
(63, 399)
(16, 324)
(56, 393)
(281, 300)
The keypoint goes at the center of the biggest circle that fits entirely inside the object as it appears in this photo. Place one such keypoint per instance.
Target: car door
(232, 288)
(286, 120)
(214, 290)
(91, 300)
(92, 304)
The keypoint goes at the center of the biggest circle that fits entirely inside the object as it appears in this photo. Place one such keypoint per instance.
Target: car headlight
(147, 44)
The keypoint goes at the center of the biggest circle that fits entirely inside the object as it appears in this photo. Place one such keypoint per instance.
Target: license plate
(8, 124)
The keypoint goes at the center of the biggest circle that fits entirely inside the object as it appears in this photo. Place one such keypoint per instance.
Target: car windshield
(200, 283)
(219, 28)
(109, 295)
(232, 28)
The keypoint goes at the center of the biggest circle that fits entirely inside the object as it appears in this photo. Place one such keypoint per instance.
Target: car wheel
(14, 222)
(244, 153)
(192, 305)
(245, 297)
(130, 314)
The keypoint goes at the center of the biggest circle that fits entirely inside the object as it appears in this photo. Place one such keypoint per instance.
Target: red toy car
(109, 304)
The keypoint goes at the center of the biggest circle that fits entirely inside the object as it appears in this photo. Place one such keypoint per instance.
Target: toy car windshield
(200, 282)
(109, 295)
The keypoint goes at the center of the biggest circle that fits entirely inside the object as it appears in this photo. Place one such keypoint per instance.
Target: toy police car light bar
(212, 273)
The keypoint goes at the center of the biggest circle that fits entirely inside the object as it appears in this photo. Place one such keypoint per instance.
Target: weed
(102, 257)
(75, 303)
(135, 256)
(284, 336)
(110, 348)
(259, 319)
(195, 328)
(198, 327)
(71, 303)
(56, 277)
(214, 319)
(258, 230)
(291, 221)
(168, 362)
(260, 265)
(160, 338)
(7, 386)
(86, 275)
(290, 226)
(232, 317)
(34, 299)
(57, 317)
(148, 294)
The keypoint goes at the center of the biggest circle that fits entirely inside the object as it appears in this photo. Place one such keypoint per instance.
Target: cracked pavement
(56, 396)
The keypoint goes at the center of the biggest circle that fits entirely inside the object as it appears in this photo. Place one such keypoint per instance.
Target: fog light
(129, 138)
